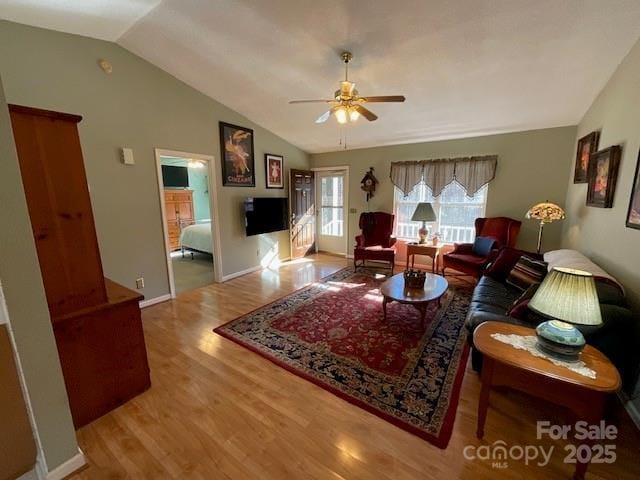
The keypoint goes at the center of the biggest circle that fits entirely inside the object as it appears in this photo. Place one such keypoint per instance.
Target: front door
(331, 212)
(302, 206)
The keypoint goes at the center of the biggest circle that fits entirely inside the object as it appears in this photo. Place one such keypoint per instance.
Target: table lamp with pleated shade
(570, 298)
(423, 213)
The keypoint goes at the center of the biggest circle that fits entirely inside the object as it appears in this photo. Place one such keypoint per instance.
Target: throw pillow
(482, 246)
(527, 272)
(519, 309)
(506, 259)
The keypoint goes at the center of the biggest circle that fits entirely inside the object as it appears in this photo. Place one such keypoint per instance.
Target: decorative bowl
(559, 339)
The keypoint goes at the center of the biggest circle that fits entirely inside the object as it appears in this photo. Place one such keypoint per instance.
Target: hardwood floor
(218, 411)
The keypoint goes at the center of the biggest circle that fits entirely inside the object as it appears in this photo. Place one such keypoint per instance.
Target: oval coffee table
(393, 290)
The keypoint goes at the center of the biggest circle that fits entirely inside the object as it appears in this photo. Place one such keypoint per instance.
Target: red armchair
(462, 258)
(376, 242)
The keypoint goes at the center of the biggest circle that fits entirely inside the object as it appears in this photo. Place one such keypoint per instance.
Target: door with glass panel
(331, 203)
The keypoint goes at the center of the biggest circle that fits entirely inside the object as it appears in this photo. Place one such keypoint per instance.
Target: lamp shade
(424, 213)
(546, 212)
(568, 295)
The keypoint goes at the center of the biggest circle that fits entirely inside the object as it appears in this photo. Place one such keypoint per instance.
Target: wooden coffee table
(504, 365)
(393, 290)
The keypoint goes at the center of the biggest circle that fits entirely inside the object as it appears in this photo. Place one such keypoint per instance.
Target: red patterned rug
(333, 334)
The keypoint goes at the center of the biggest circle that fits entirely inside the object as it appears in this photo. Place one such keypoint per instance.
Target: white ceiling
(467, 67)
(103, 19)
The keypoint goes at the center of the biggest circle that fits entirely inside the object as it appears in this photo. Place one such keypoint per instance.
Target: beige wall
(532, 167)
(141, 107)
(601, 233)
(27, 309)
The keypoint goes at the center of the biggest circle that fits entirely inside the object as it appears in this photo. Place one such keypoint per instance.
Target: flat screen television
(264, 215)
(175, 177)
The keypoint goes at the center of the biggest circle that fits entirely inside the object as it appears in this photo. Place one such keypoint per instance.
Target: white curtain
(472, 173)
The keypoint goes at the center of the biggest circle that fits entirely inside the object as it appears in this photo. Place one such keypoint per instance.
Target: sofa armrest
(462, 248)
(360, 241)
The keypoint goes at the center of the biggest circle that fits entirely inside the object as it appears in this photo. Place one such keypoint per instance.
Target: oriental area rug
(333, 334)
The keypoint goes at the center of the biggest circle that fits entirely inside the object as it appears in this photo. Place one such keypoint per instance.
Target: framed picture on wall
(274, 170)
(587, 146)
(633, 217)
(602, 176)
(236, 148)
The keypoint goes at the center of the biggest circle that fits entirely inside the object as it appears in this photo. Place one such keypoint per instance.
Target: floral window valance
(472, 173)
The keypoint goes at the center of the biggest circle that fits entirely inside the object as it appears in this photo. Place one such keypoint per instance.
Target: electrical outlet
(353, 210)
(140, 283)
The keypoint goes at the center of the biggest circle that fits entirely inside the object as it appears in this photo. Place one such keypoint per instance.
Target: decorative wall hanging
(602, 175)
(368, 183)
(274, 170)
(633, 217)
(236, 147)
(472, 173)
(587, 146)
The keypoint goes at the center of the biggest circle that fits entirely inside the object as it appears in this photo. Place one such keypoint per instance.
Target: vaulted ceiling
(467, 67)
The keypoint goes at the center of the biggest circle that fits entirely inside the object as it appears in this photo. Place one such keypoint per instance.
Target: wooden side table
(426, 249)
(504, 365)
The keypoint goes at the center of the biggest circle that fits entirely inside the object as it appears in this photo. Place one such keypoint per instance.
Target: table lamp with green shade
(570, 298)
(545, 212)
(424, 213)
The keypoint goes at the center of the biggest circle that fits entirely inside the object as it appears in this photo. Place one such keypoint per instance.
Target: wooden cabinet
(59, 206)
(178, 206)
(96, 322)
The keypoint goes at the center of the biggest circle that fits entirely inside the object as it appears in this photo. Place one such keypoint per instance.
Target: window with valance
(456, 187)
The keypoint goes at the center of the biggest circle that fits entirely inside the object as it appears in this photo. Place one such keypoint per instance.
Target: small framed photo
(602, 176)
(587, 146)
(633, 217)
(274, 169)
(236, 147)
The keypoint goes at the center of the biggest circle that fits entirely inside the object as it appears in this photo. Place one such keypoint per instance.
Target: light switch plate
(127, 156)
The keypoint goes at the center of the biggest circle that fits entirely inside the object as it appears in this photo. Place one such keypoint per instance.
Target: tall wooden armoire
(96, 322)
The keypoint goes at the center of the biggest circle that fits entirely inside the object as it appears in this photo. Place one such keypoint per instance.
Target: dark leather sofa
(616, 337)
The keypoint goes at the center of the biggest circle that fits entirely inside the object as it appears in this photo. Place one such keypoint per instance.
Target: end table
(504, 365)
(426, 249)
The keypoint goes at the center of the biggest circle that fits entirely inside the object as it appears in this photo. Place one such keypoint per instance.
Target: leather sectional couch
(616, 337)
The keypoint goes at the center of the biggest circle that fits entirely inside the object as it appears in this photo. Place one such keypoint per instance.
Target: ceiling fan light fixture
(341, 115)
(354, 115)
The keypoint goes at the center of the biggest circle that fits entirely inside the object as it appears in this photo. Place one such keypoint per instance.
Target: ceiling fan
(347, 104)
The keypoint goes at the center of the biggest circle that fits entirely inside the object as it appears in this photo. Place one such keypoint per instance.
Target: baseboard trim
(72, 465)
(30, 475)
(631, 408)
(153, 301)
(231, 276)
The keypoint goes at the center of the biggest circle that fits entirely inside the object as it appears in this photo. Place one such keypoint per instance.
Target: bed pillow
(526, 272)
(482, 246)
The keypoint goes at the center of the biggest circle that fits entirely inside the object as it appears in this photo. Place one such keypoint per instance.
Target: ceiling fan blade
(326, 115)
(311, 101)
(384, 98)
(366, 113)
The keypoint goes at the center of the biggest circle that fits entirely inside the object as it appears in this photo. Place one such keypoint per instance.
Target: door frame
(213, 209)
(338, 168)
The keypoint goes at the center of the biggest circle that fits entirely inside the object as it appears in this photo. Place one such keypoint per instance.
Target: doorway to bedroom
(185, 182)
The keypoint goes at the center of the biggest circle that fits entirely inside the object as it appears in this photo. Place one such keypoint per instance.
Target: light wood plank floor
(218, 411)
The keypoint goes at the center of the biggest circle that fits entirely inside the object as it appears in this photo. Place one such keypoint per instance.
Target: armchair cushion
(467, 258)
(482, 246)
